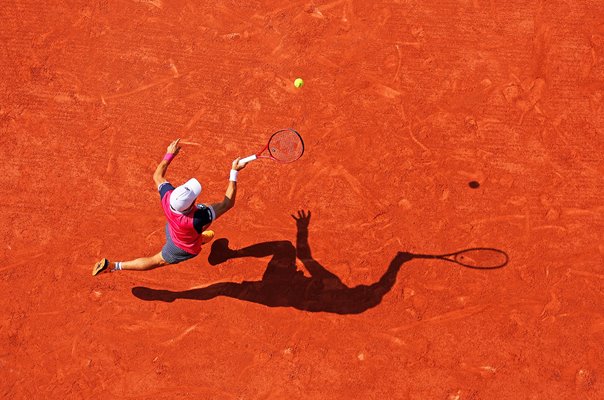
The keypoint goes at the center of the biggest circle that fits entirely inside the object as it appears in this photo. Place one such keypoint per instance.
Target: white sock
(118, 266)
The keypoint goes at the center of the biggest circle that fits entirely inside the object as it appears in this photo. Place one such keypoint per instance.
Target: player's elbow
(228, 203)
(222, 207)
(158, 179)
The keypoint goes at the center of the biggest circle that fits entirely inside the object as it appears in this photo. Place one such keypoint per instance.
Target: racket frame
(270, 156)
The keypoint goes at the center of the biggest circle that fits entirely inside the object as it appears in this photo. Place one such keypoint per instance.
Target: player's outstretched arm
(159, 176)
(229, 197)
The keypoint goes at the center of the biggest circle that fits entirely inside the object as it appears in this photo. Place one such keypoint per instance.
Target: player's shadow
(283, 285)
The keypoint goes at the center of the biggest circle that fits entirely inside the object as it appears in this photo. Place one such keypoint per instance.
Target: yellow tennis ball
(298, 82)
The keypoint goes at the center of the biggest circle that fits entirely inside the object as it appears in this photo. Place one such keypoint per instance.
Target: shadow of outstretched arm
(303, 253)
(363, 297)
(387, 281)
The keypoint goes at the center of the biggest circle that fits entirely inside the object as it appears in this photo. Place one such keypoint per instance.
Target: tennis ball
(298, 82)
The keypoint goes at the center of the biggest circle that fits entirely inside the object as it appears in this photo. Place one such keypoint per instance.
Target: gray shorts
(172, 253)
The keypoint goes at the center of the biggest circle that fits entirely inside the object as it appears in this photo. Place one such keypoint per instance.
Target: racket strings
(481, 258)
(286, 146)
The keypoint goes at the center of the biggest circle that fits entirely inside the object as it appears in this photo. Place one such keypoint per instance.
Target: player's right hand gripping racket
(284, 146)
(477, 258)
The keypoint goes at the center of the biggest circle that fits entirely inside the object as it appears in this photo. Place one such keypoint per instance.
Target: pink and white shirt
(185, 228)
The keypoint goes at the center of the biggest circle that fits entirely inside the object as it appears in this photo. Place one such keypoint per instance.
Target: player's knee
(159, 261)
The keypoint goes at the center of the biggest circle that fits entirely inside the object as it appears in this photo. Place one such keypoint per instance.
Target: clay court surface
(405, 103)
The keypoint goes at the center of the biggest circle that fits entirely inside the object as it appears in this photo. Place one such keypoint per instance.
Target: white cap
(183, 196)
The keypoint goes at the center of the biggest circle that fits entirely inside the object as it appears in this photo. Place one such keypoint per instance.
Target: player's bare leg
(139, 264)
(144, 263)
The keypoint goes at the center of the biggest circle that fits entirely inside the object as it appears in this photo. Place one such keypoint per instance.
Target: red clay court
(430, 127)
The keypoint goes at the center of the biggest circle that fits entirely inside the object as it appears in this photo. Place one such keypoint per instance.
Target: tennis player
(187, 223)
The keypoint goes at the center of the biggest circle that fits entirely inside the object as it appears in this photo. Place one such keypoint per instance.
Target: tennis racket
(477, 258)
(284, 146)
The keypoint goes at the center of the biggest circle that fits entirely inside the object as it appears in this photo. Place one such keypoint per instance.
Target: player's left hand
(174, 148)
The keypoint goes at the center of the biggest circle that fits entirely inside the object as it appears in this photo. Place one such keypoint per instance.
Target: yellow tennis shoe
(207, 236)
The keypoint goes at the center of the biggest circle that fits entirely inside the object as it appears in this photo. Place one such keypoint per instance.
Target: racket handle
(248, 159)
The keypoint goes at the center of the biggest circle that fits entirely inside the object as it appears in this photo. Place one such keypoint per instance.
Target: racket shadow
(474, 258)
